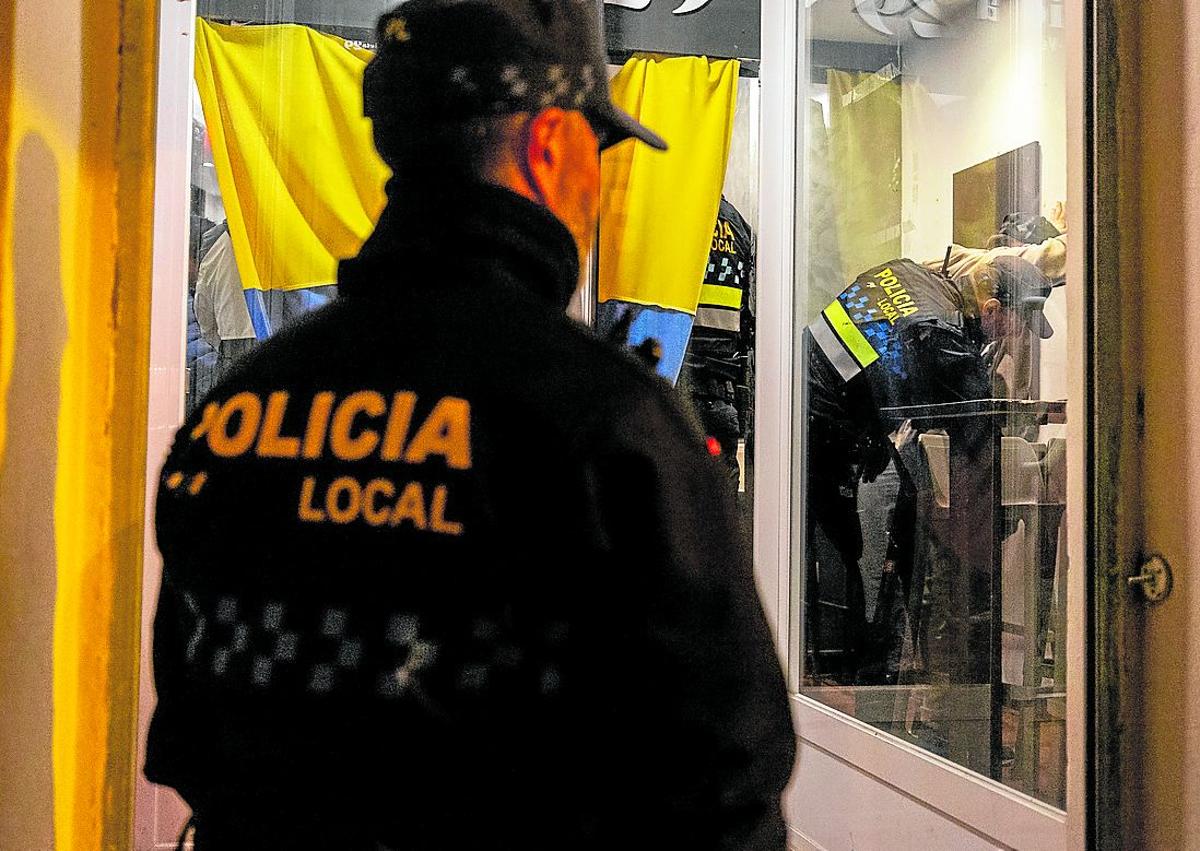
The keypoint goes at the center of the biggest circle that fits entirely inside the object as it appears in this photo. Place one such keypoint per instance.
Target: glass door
(676, 261)
(933, 542)
(262, 187)
(267, 185)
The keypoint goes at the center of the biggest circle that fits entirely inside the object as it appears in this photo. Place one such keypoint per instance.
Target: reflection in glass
(677, 254)
(932, 319)
(285, 177)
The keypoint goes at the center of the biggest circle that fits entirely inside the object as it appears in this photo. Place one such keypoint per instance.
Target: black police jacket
(717, 369)
(899, 335)
(443, 570)
(724, 326)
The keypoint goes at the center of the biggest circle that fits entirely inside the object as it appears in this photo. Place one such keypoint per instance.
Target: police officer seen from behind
(474, 603)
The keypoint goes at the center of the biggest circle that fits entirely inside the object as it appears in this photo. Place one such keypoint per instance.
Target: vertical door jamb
(1114, 414)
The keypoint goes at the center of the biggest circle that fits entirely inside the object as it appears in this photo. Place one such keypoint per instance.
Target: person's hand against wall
(1058, 215)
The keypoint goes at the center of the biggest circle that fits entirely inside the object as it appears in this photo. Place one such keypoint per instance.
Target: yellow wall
(1168, 288)
(74, 295)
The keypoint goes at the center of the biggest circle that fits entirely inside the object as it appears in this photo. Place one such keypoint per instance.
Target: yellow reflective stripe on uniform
(719, 296)
(849, 334)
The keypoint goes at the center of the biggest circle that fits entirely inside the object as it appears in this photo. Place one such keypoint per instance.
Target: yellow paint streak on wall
(7, 26)
(41, 166)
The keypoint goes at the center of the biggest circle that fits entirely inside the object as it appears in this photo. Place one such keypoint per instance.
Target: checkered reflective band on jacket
(724, 295)
(898, 335)
(868, 321)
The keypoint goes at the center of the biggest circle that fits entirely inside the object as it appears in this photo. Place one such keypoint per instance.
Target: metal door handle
(1155, 579)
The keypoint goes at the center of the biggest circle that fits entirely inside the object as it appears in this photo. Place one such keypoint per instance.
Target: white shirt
(220, 303)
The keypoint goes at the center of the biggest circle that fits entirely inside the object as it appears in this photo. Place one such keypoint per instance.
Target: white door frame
(158, 812)
(995, 814)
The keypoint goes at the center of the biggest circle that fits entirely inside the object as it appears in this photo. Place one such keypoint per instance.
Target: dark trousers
(835, 546)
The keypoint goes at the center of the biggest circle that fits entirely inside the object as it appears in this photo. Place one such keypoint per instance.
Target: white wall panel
(839, 807)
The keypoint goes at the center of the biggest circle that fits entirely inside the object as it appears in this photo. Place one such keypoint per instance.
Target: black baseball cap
(449, 61)
(1027, 228)
(1021, 286)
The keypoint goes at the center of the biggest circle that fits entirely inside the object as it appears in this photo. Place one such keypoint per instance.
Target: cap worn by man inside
(487, 592)
(1021, 287)
(1018, 287)
(1011, 358)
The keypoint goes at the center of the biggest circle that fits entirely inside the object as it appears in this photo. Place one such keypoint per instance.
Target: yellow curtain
(864, 155)
(300, 178)
(825, 275)
(658, 210)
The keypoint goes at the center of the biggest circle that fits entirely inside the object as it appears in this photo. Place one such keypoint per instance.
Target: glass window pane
(286, 182)
(285, 178)
(675, 276)
(931, 315)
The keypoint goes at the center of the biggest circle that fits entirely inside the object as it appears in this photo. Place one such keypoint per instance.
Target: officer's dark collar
(434, 232)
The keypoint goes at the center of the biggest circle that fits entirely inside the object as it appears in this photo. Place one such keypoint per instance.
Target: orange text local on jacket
(357, 426)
